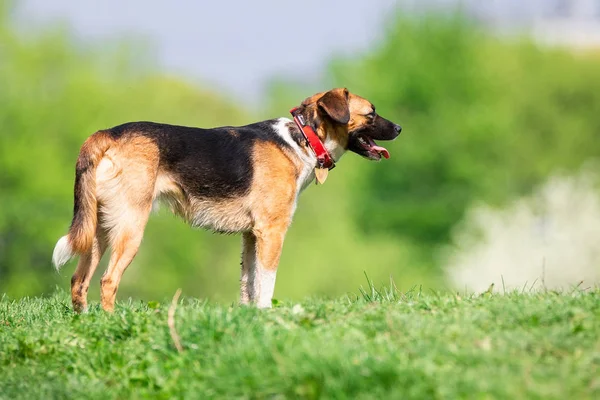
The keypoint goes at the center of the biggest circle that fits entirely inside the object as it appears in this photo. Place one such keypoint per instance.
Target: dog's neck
(335, 149)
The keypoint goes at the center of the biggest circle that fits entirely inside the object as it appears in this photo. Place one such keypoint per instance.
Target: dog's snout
(398, 128)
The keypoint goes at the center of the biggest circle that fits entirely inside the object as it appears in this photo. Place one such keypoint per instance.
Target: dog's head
(349, 120)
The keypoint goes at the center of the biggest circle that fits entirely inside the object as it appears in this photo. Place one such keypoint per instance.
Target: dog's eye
(372, 114)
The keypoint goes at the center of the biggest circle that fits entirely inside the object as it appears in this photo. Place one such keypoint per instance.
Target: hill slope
(376, 345)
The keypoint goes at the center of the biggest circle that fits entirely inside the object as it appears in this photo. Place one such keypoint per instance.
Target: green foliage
(397, 345)
(483, 119)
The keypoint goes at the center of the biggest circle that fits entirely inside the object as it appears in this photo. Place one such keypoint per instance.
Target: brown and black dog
(230, 179)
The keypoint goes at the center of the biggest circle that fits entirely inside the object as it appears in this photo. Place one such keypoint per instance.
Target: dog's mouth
(372, 150)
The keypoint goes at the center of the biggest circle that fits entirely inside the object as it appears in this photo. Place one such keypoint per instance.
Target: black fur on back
(207, 163)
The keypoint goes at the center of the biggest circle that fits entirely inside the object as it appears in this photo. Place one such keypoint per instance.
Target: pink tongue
(381, 150)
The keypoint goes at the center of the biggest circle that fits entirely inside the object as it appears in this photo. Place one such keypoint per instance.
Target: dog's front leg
(269, 243)
(248, 268)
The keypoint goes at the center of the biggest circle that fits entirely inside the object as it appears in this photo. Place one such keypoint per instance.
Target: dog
(230, 179)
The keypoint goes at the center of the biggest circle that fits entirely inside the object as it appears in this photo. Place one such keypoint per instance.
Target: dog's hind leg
(124, 248)
(80, 282)
(126, 181)
(125, 218)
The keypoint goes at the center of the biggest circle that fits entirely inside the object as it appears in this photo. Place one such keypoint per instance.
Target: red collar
(324, 160)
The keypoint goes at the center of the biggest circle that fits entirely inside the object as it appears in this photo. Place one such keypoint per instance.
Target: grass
(381, 344)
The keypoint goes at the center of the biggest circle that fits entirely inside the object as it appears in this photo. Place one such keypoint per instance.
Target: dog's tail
(85, 209)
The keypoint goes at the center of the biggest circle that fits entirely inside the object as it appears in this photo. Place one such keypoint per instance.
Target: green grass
(380, 344)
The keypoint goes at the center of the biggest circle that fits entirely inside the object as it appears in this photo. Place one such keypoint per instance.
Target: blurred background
(493, 180)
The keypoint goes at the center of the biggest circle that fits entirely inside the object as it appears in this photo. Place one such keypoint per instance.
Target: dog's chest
(307, 159)
(307, 175)
(218, 214)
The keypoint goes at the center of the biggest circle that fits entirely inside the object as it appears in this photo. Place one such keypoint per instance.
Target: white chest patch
(309, 160)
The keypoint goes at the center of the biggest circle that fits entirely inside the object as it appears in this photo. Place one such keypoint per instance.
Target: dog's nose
(398, 128)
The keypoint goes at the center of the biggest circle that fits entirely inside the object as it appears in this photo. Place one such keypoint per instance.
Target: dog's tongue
(381, 150)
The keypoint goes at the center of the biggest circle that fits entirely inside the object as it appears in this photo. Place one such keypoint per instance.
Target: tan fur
(359, 110)
(125, 181)
(272, 197)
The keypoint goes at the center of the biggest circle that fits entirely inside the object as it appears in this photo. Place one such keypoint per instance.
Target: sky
(236, 47)
(227, 45)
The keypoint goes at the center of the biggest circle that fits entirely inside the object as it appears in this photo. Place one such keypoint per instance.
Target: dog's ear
(335, 104)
